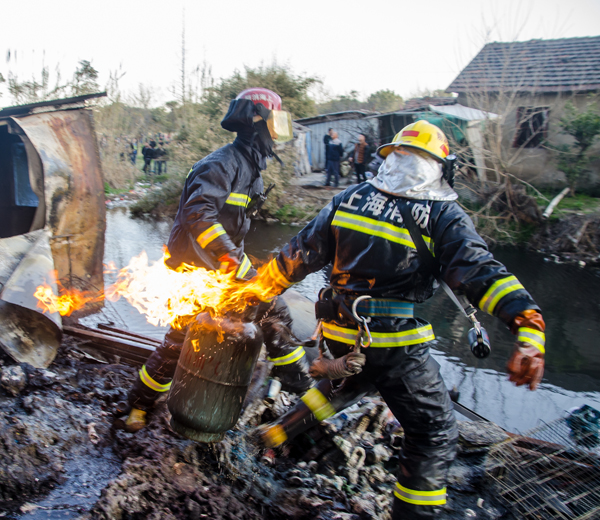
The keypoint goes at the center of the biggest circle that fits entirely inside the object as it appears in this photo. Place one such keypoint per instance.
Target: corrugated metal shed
(347, 124)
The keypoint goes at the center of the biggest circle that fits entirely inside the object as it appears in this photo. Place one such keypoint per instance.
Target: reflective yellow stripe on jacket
(497, 291)
(288, 359)
(238, 199)
(206, 237)
(318, 404)
(151, 383)
(380, 339)
(370, 226)
(532, 337)
(244, 267)
(420, 498)
(275, 274)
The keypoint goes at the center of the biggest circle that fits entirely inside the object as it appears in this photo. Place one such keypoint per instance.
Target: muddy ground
(575, 238)
(62, 457)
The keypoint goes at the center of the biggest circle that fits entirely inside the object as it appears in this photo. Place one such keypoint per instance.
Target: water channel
(569, 298)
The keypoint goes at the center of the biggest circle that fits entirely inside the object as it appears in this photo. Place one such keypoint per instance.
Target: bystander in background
(360, 158)
(334, 153)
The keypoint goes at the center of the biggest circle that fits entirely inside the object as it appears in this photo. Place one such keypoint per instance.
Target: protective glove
(529, 318)
(228, 263)
(526, 365)
(339, 368)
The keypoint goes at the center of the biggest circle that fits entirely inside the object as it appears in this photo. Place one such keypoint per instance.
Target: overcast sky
(402, 45)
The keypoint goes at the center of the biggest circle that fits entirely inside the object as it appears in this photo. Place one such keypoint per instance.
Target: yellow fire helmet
(421, 135)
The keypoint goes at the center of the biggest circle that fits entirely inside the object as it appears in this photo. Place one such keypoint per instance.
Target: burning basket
(552, 471)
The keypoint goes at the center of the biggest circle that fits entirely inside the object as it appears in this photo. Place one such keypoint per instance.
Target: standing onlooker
(326, 141)
(149, 153)
(161, 158)
(133, 151)
(360, 158)
(335, 152)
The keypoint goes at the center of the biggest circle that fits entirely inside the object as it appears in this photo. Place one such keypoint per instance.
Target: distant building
(528, 84)
(347, 124)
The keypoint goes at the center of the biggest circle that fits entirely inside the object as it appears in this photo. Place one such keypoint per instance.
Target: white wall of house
(536, 165)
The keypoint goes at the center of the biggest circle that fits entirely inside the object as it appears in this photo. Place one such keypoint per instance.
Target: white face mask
(413, 175)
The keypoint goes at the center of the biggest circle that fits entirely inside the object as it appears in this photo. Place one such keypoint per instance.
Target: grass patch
(109, 190)
(161, 201)
(580, 203)
(290, 213)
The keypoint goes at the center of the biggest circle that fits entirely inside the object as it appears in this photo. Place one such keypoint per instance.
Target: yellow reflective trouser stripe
(376, 228)
(288, 359)
(238, 199)
(275, 436)
(275, 274)
(498, 291)
(380, 339)
(151, 383)
(244, 267)
(318, 404)
(533, 337)
(210, 234)
(421, 498)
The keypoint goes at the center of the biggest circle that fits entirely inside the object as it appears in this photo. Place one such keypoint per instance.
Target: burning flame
(165, 296)
(66, 302)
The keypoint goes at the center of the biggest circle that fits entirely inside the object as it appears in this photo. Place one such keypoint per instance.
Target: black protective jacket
(361, 232)
(211, 219)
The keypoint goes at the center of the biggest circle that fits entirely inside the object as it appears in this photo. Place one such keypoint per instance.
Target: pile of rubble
(575, 238)
(60, 451)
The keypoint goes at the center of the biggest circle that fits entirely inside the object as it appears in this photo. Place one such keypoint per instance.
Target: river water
(569, 298)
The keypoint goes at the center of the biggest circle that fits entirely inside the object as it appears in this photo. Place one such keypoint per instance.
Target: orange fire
(166, 296)
(66, 302)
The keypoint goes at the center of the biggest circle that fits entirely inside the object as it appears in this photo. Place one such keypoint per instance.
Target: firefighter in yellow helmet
(378, 275)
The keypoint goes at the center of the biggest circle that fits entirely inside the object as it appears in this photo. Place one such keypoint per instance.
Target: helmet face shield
(279, 124)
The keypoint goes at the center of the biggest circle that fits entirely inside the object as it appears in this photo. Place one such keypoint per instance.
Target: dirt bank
(573, 238)
(61, 457)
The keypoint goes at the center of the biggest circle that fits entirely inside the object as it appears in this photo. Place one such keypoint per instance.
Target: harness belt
(403, 338)
(331, 307)
(386, 307)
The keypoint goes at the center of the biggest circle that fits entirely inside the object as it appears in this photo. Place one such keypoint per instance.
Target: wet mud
(62, 457)
(575, 238)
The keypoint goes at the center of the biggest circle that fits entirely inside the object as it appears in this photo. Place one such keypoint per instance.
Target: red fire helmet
(265, 96)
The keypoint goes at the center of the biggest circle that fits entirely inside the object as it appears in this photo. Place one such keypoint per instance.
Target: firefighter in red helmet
(209, 230)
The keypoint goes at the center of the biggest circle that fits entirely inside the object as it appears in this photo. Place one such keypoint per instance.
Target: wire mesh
(552, 471)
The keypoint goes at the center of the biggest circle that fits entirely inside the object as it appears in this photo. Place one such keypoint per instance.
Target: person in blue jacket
(334, 152)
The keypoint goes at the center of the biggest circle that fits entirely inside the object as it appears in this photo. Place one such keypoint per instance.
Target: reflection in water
(566, 294)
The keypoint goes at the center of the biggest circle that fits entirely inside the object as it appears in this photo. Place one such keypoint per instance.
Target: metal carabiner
(368, 336)
(355, 306)
(361, 320)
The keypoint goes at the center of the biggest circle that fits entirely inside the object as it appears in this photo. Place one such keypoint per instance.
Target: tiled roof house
(528, 84)
(565, 65)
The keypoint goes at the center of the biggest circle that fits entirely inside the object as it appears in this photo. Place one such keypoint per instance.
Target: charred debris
(63, 454)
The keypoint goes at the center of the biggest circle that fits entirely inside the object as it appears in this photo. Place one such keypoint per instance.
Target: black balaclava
(254, 136)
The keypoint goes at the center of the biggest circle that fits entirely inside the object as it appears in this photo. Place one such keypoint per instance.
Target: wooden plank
(146, 339)
(117, 346)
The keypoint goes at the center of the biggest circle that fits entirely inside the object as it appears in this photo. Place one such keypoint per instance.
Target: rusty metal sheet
(73, 192)
(26, 334)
